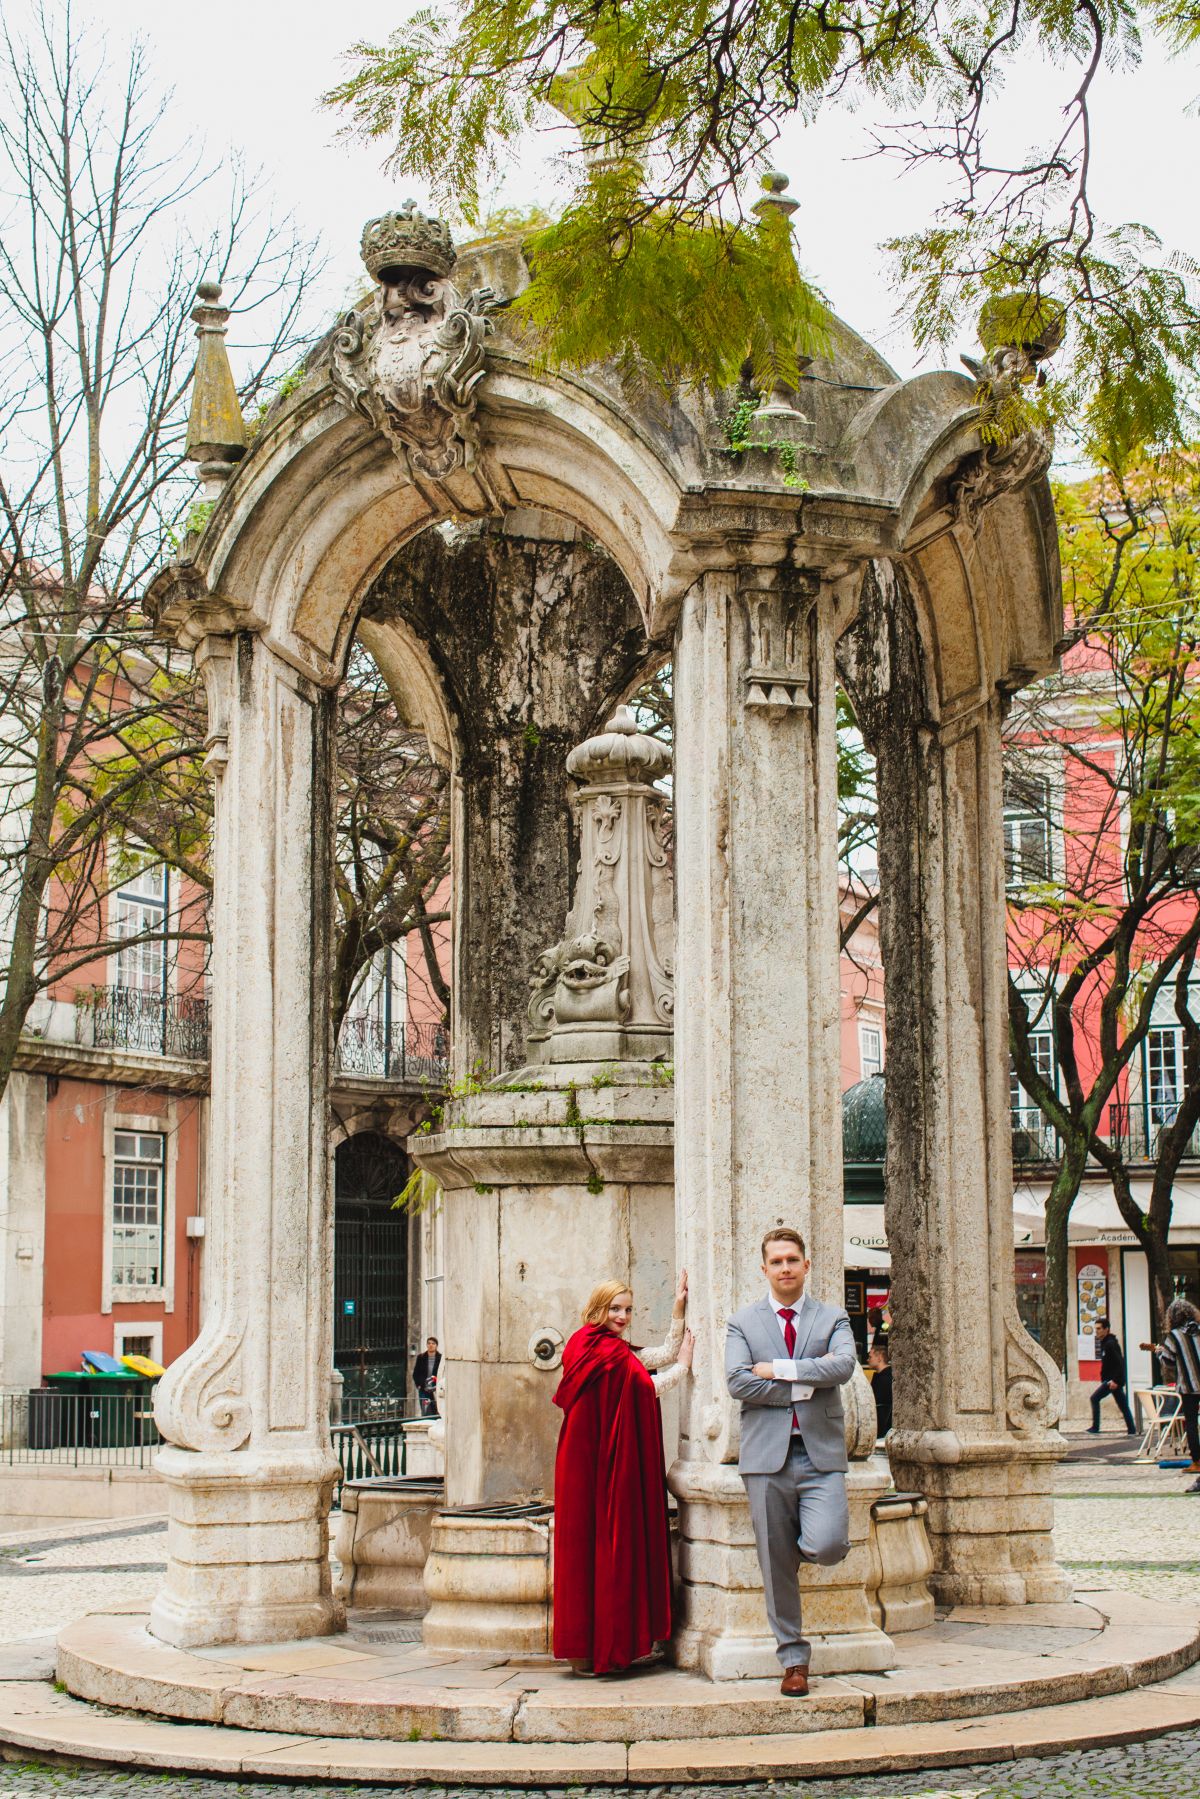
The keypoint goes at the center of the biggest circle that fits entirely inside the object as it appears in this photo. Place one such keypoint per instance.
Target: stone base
(722, 1628)
(488, 1579)
(382, 1542)
(425, 1448)
(971, 1665)
(247, 1549)
(991, 1514)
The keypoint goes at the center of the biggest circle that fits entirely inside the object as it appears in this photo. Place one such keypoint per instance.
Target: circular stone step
(975, 1661)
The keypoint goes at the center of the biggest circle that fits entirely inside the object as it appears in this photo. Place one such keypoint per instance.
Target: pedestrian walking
(880, 1363)
(1179, 1351)
(1112, 1379)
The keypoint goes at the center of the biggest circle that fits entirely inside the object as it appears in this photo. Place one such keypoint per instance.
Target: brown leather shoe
(795, 1683)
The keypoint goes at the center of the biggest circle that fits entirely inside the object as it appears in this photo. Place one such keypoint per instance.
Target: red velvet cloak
(612, 1557)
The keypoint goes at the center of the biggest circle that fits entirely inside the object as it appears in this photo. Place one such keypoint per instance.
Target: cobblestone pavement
(1165, 1769)
(1115, 1525)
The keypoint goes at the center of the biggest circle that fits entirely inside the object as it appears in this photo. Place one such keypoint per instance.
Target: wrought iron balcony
(399, 1052)
(1138, 1127)
(157, 1024)
(1033, 1139)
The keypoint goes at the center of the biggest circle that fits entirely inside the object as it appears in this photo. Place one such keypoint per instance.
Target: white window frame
(1052, 821)
(876, 1029)
(139, 1327)
(159, 1124)
(170, 961)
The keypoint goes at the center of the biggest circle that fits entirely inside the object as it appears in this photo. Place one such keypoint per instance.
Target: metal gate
(370, 1267)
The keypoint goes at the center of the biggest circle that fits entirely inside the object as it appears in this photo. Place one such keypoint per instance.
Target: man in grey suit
(785, 1358)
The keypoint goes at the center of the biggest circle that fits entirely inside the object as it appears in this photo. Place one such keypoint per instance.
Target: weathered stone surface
(512, 650)
(533, 640)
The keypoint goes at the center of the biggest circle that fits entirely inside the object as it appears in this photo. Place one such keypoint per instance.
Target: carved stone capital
(999, 469)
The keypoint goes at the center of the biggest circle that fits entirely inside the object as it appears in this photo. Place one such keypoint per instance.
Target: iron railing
(158, 1024)
(78, 1429)
(371, 1447)
(1033, 1139)
(1138, 1128)
(398, 1052)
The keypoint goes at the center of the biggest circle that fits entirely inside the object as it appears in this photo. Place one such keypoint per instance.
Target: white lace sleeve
(666, 1352)
(670, 1377)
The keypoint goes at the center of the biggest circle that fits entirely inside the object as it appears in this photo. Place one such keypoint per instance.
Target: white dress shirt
(781, 1367)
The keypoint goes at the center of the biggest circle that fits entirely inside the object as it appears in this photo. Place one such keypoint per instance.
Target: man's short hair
(784, 1234)
(433, 1340)
(1104, 1322)
(880, 1347)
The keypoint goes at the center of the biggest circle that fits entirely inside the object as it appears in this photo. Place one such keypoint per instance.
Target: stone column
(245, 1410)
(22, 1229)
(758, 1138)
(976, 1398)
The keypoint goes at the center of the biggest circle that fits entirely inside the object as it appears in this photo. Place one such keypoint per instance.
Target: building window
(140, 907)
(139, 1159)
(1027, 859)
(1033, 1139)
(1164, 1075)
(870, 1050)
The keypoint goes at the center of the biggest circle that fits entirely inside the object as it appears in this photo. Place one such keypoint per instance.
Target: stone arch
(758, 580)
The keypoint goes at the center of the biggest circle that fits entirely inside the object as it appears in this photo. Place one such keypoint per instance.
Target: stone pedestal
(383, 1542)
(723, 1626)
(488, 1580)
(546, 1191)
(247, 1550)
(900, 1595)
(424, 1448)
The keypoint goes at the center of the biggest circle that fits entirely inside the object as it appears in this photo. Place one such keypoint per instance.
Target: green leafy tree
(1103, 930)
(670, 111)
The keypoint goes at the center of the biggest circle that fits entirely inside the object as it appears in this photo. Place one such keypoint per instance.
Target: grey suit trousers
(798, 1514)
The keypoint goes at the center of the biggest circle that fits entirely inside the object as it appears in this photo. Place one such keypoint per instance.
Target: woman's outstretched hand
(681, 1293)
(687, 1350)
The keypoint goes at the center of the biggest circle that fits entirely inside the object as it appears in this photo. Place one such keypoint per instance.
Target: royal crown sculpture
(411, 359)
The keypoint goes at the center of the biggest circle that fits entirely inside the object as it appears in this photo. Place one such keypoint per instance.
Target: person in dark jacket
(1112, 1379)
(1179, 1353)
(879, 1361)
(425, 1373)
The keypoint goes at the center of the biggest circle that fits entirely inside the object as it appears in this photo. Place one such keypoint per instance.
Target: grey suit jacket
(825, 1356)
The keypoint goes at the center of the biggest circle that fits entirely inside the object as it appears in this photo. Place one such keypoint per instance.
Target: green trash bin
(101, 1411)
(70, 1405)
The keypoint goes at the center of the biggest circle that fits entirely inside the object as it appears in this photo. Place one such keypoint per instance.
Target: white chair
(1165, 1436)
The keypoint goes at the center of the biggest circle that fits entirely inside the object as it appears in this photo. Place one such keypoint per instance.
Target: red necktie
(789, 1340)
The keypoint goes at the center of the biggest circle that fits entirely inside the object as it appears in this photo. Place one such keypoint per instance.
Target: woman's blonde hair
(601, 1297)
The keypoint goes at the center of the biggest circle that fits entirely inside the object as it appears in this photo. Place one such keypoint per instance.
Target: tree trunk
(1058, 1216)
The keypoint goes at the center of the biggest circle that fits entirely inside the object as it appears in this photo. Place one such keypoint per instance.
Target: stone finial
(780, 403)
(606, 991)
(775, 185)
(216, 433)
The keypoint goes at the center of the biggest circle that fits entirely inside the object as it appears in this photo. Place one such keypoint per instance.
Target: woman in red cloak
(612, 1554)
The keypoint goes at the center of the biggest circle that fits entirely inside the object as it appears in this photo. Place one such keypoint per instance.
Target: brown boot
(795, 1683)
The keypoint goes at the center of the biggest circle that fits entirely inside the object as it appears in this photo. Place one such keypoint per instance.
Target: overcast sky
(247, 76)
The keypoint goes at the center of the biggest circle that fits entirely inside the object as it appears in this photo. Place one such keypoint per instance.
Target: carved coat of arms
(412, 360)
